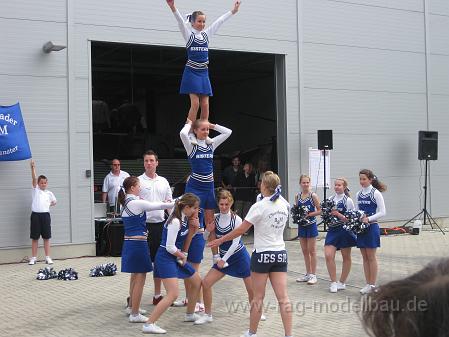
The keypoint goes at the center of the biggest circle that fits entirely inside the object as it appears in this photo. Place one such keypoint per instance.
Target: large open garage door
(136, 106)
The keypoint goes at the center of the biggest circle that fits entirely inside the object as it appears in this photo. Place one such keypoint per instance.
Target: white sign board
(316, 167)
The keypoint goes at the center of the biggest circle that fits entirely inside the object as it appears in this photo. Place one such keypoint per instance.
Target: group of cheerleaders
(192, 223)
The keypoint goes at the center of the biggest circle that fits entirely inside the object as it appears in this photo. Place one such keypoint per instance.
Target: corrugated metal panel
(347, 111)
(22, 42)
(340, 67)
(43, 100)
(438, 114)
(439, 34)
(42, 10)
(438, 7)
(339, 23)
(82, 224)
(82, 108)
(405, 5)
(262, 19)
(439, 74)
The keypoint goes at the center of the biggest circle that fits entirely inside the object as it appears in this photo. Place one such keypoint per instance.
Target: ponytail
(127, 184)
(121, 196)
(188, 199)
(374, 180)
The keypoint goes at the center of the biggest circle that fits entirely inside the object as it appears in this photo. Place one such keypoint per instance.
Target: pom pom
(106, 269)
(46, 273)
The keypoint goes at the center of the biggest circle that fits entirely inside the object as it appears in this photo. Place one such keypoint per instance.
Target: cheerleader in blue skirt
(135, 253)
(338, 238)
(201, 158)
(233, 259)
(171, 263)
(307, 234)
(195, 79)
(370, 201)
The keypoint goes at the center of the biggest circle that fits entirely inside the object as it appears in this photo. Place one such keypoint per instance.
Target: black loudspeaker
(325, 140)
(428, 145)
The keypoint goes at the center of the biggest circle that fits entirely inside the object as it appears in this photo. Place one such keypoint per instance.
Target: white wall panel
(438, 74)
(438, 7)
(439, 34)
(438, 114)
(258, 19)
(82, 224)
(404, 5)
(43, 100)
(342, 23)
(347, 111)
(22, 42)
(363, 69)
(82, 159)
(42, 10)
(82, 109)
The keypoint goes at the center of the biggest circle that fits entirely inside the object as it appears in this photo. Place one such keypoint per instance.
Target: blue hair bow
(277, 193)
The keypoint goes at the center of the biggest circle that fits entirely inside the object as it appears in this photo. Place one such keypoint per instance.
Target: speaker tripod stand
(427, 218)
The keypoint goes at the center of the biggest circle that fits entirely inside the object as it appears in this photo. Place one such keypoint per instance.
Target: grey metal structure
(373, 71)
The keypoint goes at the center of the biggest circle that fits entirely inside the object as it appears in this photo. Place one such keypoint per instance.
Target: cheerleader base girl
(135, 252)
(171, 263)
(233, 259)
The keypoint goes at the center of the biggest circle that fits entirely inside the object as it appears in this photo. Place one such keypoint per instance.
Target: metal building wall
(357, 67)
(366, 73)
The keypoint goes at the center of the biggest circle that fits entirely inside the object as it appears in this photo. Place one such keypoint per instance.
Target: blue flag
(13, 136)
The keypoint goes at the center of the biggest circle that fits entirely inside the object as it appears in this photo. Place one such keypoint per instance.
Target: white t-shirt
(269, 219)
(42, 200)
(155, 189)
(111, 185)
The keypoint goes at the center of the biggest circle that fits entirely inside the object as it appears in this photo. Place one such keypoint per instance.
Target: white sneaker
(152, 328)
(365, 290)
(341, 286)
(182, 303)
(199, 307)
(304, 278)
(263, 318)
(191, 317)
(333, 288)
(48, 260)
(139, 318)
(247, 334)
(129, 310)
(32, 261)
(312, 279)
(204, 319)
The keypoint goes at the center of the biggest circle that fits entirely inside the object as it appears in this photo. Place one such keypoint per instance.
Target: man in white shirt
(40, 221)
(154, 188)
(112, 183)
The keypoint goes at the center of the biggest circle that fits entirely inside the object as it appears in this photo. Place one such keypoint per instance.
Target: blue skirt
(195, 81)
(136, 257)
(310, 231)
(340, 238)
(369, 239)
(239, 265)
(204, 191)
(196, 249)
(166, 266)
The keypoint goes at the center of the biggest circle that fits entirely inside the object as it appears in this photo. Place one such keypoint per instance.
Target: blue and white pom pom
(68, 274)
(106, 269)
(46, 273)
